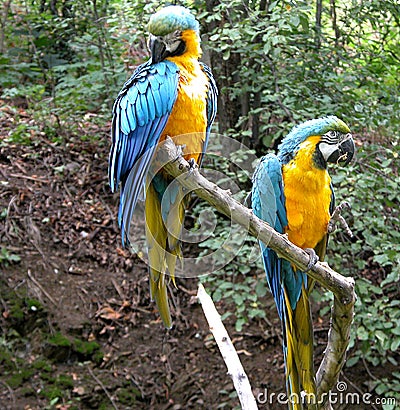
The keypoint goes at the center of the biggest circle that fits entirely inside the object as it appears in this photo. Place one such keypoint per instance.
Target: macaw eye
(171, 37)
(331, 137)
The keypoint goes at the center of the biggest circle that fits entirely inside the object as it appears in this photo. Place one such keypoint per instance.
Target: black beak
(158, 49)
(345, 152)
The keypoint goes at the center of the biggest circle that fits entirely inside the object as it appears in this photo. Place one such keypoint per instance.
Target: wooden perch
(228, 352)
(169, 156)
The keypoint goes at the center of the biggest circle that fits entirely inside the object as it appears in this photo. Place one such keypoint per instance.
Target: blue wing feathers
(151, 109)
(130, 116)
(140, 114)
(142, 85)
(162, 69)
(268, 204)
(123, 103)
(132, 94)
(268, 184)
(158, 103)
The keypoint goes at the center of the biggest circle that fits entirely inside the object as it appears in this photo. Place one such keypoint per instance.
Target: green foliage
(287, 68)
(237, 283)
(6, 258)
(62, 61)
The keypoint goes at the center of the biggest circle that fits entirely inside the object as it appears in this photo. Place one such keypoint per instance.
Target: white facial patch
(327, 149)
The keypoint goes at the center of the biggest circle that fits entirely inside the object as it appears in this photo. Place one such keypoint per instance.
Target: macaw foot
(192, 165)
(179, 151)
(247, 200)
(313, 259)
(336, 217)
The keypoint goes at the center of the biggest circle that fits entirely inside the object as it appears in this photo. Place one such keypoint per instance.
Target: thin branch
(169, 157)
(10, 391)
(99, 382)
(38, 285)
(174, 164)
(228, 352)
(335, 352)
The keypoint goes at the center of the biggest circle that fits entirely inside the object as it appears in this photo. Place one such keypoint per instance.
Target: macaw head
(173, 32)
(329, 138)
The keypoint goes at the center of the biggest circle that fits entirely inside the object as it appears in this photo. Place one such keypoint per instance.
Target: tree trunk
(318, 24)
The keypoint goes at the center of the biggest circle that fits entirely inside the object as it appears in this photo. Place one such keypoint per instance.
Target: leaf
(108, 313)
(395, 344)
(352, 361)
(381, 336)
(239, 324)
(362, 333)
(389, 406)
(261, 288)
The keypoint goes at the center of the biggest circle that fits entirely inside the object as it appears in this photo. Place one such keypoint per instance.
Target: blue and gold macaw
(172, 94)
(292, 191)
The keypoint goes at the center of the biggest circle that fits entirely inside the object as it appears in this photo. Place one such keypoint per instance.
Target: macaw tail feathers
(164, 221)
(298, 349)
(173, 220)
(158, 292)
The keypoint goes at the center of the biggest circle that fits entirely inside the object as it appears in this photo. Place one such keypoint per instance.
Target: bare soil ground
(77, 327)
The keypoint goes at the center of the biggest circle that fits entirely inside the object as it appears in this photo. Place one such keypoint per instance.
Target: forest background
(276, 63)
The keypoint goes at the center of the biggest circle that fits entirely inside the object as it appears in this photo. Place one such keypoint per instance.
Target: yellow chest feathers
(189, 112)
(188, 120)
(308, 196)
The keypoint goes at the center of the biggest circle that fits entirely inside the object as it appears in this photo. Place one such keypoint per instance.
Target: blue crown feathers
(170, 19)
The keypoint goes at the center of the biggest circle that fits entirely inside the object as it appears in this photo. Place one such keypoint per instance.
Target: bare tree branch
(228, 352)
(343, 288)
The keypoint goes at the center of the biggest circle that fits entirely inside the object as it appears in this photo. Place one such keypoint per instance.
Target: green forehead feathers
(170, 19)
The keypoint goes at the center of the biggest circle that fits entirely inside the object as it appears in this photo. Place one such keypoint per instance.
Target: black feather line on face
(318, 158)
(179, 50)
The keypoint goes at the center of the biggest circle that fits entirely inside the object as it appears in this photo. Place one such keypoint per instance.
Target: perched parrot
(172, 94)
(292, 191)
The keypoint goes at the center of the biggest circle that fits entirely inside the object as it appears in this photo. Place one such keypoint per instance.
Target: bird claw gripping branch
(314, 258)
(337, 218)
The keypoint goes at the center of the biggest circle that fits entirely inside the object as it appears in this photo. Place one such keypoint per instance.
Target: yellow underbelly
(308, 196)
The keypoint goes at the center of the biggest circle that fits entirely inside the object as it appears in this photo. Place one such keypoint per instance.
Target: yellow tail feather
(158, 291)
(174, 225)
(163, 248)
(156, 238)
(299, 353)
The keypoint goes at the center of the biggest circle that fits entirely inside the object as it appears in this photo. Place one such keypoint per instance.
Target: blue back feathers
(291, 143)
(170, 19)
